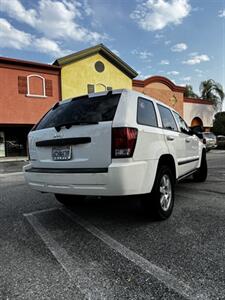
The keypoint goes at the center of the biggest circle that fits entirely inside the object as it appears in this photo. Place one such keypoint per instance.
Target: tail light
(28, 152)
(123, 142)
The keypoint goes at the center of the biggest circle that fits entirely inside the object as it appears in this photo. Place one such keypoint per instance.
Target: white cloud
(221, 13)
(193, 54)
(116, 52)
(164, 62)
(197, 59)
(88, 10)
(10, 37)
(17, 11)
(199, 72)
(179, 47)
(44, 45)
(154, 15)
(159, 36)
(174, 81)
(187, 78)
(55, 19)
(173, 73)
(167, 43)
(142, 54)
(142, 76)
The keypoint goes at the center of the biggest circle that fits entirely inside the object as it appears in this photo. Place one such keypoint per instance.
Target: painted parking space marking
(163, 276)
(75, 270)
(73, 266)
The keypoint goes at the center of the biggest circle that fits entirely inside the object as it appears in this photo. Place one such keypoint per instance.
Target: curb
(13, 159)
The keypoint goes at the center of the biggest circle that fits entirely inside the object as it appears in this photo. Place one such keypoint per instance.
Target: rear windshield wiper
(69, 124)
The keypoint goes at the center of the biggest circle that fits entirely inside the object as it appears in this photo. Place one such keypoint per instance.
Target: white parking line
(168, 279)
(74, 268)
(77, 270)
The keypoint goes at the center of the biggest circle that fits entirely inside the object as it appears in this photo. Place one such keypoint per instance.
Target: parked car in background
(114, 143)
(207, 138)
(210, 140)
(220, 141)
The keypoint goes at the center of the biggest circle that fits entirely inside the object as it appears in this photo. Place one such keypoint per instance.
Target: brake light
(28, 152)
(123, 141)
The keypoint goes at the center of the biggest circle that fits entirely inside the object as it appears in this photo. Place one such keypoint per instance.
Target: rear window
(209, 135)
(146, 113)
(81, 109)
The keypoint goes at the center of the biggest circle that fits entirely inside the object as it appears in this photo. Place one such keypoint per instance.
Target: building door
(2, 144)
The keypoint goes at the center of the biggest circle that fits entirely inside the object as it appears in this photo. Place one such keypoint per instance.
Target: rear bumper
(117, 179)
(211, 146)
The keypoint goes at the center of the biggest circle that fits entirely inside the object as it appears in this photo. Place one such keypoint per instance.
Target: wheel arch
(168, 160)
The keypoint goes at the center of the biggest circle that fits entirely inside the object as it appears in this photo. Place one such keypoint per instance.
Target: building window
(99, 66)
(109, 88)
(91, 88)
(35, 86)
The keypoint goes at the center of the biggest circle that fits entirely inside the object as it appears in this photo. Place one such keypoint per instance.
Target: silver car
(210, 140)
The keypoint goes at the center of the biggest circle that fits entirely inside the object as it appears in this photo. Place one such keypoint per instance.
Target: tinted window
(82, 109)
(181, 123)
(209, 135)
(167, 118)
(146, 113)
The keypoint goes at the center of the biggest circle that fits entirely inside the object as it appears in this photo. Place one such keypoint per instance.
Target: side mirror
(189, 132)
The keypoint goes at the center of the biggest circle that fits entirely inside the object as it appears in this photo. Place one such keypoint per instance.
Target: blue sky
(183, 40)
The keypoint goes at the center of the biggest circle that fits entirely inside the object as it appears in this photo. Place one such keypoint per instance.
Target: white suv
(114, 143)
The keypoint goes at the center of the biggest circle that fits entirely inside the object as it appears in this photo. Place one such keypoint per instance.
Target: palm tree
(189, 93)
(212, 91)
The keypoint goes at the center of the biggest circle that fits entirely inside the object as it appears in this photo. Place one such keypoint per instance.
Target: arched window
(36, 86)
(100, 87)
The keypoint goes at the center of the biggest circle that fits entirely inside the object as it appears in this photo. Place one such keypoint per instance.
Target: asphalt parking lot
(107, 249)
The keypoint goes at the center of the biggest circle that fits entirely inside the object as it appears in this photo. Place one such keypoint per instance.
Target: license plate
(61, 153)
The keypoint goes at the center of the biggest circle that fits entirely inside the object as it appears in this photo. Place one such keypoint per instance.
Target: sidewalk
(12, 159)
(12, 164)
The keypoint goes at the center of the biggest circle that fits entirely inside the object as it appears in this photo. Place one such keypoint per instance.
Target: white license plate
(61, 153)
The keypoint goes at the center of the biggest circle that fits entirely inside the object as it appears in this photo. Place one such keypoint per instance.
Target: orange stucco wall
(164, 94)
(18, 108)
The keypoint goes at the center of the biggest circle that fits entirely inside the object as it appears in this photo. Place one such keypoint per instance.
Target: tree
(219, 123)
(212, 91)
(189, 93)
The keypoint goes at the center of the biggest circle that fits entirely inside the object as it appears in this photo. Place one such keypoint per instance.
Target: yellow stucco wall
(76, 76)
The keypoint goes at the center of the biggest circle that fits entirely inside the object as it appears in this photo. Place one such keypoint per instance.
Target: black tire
(152, 203)
(69, 200)
(201, 174)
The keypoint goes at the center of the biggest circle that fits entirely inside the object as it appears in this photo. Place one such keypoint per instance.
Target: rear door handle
(187, 140)
(169, 138)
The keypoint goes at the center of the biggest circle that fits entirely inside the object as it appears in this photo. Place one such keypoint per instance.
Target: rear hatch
(210, 138)
(75, 133)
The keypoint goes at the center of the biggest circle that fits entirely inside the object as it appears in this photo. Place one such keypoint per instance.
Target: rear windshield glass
(82, 109)
(209, 135)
